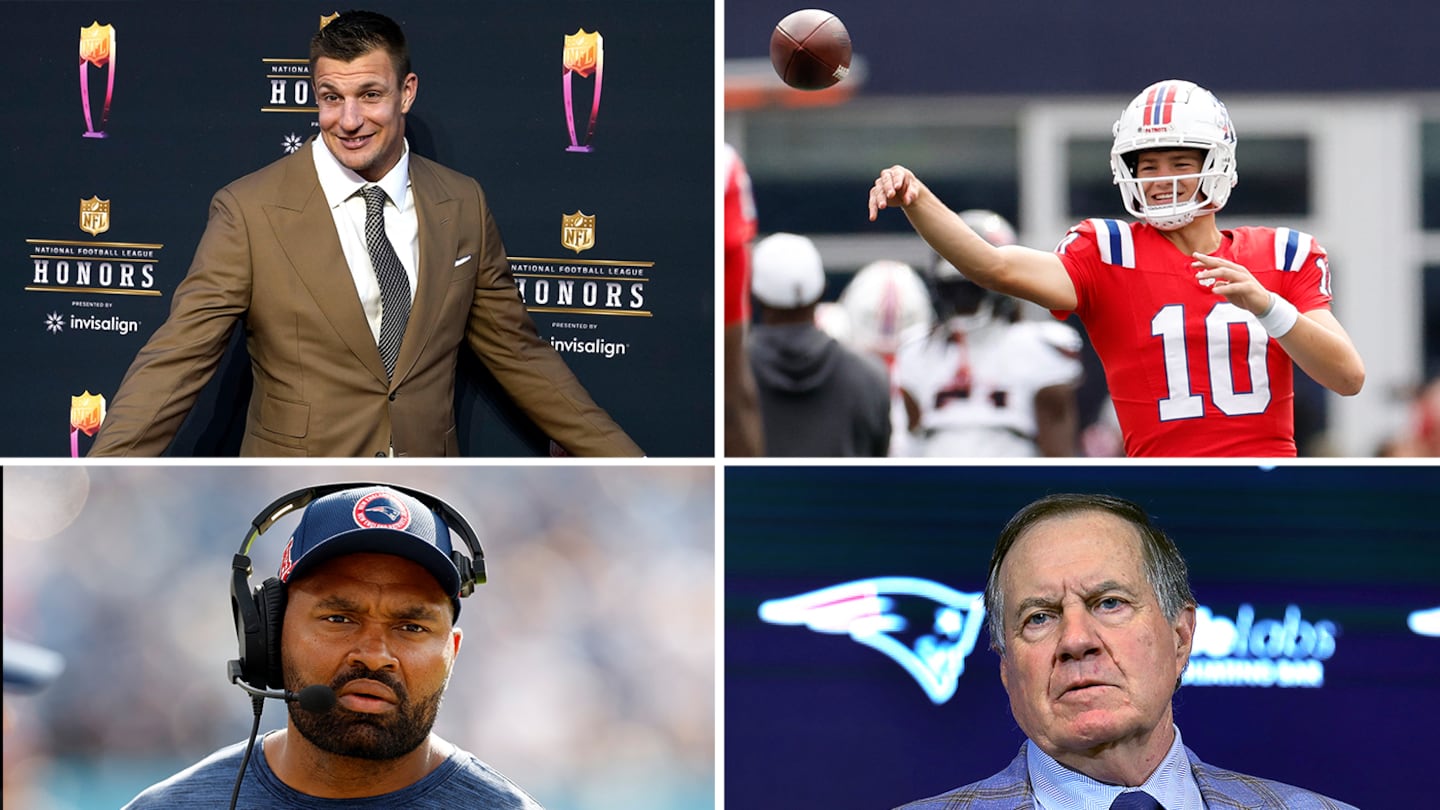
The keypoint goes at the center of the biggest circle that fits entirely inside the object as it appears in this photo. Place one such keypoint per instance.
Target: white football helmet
(1175, 114)
(887, 303)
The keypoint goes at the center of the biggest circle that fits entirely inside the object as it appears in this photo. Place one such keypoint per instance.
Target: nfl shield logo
(87, 411)
(577, 231)
(94, 216)
(582, 51)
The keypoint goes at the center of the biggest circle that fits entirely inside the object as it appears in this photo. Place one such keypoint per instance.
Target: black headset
(260, 611)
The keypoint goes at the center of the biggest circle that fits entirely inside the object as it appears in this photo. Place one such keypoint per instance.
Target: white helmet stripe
(1117, 243)
(1291, 248)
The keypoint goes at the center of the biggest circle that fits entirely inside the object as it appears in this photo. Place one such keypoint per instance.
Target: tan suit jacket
(270, 259)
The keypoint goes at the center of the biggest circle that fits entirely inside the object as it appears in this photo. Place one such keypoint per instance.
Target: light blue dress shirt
(1059, 788)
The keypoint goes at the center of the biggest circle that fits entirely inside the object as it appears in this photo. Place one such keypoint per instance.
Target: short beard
(347, 733)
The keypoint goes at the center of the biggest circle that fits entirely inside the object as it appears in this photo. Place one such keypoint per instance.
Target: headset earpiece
(249, 625)
(270, 597)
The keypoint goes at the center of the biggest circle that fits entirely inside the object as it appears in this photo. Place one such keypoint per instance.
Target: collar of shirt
(340, 183)
(347, 210)
(1060, 788)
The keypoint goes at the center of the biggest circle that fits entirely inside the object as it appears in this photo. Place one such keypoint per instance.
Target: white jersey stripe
(1291, 248)
(1115, 240)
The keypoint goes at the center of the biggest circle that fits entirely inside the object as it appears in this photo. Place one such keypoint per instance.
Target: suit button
(392, 397)
(380, 454)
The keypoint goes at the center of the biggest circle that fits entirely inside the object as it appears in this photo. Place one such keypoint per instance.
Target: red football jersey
(740, 228)
(1191, 374)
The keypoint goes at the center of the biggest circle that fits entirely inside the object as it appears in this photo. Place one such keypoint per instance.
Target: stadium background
(1008, 106)
(587, 668)
(196, 105)
(817, 720)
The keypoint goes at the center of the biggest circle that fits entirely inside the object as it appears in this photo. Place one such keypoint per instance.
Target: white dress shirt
(1057, 787)
(347, 207)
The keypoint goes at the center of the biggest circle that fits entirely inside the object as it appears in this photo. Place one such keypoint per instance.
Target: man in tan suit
(288, 248)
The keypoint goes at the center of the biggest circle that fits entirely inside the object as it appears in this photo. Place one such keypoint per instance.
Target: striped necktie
(394, 286)
(1135, 800)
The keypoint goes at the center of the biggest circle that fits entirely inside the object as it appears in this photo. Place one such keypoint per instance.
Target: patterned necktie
(1135, 800)
(394, 286)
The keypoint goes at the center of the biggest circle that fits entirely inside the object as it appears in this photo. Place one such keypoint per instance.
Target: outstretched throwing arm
(1034, 275)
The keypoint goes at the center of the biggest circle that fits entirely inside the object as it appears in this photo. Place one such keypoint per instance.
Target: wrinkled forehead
(1088, 543)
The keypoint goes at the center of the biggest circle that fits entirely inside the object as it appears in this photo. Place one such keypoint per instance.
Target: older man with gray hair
(1091, 613)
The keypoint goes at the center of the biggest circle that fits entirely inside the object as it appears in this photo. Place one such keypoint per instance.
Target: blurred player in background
(983, 382)
(817, 398)
(28, 668)
(1197, 327)
(887, 306)
(742, 404)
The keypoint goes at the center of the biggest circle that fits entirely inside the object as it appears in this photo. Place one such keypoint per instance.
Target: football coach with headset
(357, 634)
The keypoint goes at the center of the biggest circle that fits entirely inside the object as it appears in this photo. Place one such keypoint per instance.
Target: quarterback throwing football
(1197, 327)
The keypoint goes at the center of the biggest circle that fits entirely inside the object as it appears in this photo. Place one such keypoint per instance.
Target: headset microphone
(317, 698)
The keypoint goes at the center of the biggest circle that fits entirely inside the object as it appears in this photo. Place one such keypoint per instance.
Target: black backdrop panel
(205, 93)
(816, 720)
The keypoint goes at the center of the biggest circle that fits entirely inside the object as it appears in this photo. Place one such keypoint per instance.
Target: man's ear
(1184, 635)
(408, 89)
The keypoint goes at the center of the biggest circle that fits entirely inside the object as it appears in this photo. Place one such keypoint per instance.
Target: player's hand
(1231, 282)
(896, 185)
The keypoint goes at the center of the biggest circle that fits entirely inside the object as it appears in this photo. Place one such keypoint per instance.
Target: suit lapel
(438, 218)
(305, 230)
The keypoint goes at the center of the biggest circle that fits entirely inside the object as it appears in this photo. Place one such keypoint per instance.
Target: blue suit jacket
(1222, 790)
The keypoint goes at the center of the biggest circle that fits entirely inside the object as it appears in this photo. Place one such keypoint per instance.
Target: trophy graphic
(87, 411)
(97, 47)
(585, 55)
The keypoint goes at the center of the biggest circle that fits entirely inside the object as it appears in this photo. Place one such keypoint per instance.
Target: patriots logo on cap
(286, 564)
(868, 611)
(380, 510)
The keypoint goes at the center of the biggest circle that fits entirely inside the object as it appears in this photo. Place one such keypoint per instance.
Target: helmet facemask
(1175, 115)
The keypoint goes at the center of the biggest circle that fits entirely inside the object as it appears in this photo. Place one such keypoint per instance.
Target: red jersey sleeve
(1084, 249)
(740, 228)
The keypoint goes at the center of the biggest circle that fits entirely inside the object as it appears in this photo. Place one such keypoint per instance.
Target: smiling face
(1090, 661)
(363, 104)
(1169, 163)
(377, 629)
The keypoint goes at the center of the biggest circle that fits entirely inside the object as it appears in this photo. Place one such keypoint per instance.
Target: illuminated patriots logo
(925, 627)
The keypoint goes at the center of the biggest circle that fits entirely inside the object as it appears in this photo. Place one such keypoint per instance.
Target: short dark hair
(356, 33)
(1164, 567)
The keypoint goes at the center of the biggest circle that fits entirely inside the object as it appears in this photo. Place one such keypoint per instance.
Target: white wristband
(1280, 317)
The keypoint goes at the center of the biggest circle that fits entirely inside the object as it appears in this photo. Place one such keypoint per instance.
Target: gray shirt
(460, 781)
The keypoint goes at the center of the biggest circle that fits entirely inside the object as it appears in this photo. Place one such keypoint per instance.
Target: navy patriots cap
(376, 519)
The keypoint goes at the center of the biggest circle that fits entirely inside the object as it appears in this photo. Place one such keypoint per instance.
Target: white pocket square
(462, 260)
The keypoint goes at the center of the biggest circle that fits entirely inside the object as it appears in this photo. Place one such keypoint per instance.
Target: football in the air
(810, 49)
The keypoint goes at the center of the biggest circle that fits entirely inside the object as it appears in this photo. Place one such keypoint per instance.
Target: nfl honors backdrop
(589, 125)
